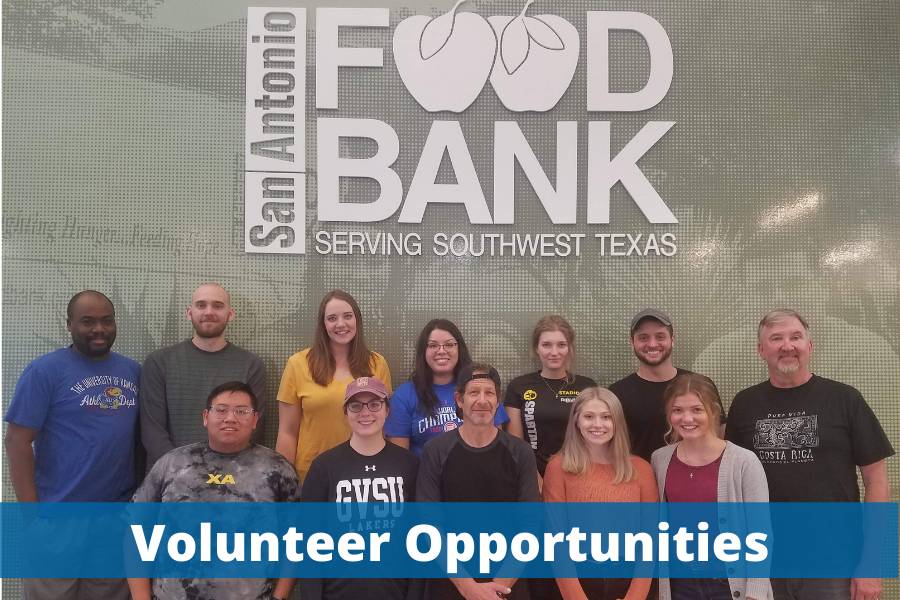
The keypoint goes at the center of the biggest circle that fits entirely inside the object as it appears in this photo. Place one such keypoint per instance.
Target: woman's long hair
(700, 386)
(576, 457)
(422, 375)
(321, 361)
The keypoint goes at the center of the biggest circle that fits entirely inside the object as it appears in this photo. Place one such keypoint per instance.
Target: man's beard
(206, 331)
(788, 368)
(655, 363)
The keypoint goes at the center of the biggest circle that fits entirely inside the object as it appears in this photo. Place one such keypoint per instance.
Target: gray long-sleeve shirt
(175, 382)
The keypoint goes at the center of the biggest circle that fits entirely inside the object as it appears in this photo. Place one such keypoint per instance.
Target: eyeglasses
(447, 346)
(241, 412)
(356, 406)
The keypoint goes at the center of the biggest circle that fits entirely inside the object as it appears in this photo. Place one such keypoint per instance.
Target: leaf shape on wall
(543, 34)
(437, 32)
(514, 45)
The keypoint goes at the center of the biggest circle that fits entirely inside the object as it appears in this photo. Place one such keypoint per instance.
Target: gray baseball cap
(651, 313)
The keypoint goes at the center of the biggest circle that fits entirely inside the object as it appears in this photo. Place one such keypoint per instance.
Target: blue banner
(424, 540)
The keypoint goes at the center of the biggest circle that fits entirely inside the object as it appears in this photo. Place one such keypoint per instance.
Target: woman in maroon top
(699, 466)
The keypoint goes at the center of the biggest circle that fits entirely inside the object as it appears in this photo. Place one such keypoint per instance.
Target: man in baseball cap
(641, 393)
(477, 463)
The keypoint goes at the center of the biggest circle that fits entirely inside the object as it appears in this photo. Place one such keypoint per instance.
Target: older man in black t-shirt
(476, 463)
(810, 433)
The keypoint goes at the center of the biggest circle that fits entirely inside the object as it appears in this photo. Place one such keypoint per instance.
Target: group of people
(81, 417)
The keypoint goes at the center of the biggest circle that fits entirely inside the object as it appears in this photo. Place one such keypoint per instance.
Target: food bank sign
(444, 63)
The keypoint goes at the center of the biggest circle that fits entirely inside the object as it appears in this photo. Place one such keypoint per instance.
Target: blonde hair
(700, 386)
(575, 455)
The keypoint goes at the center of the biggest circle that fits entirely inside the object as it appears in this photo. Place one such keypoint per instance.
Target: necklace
(562, 386)
(694, 468)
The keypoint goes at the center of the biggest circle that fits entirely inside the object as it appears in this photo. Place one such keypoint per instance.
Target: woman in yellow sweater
(311, 394)
(595, 465)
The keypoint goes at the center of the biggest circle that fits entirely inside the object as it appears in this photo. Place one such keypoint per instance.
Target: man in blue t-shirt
(72, 430)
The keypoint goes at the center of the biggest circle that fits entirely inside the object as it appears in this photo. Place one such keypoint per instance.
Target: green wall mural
(775, 147)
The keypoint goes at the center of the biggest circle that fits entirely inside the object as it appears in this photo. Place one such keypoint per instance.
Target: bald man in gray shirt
(176, 380)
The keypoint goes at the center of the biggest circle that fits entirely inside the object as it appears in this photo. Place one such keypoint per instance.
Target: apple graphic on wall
(535, 60)
(444, 61)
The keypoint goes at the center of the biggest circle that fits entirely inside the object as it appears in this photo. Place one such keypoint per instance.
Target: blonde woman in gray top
(698, 466)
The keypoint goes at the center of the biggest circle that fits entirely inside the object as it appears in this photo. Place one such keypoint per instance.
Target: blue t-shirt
(85, 412)
(407, 419)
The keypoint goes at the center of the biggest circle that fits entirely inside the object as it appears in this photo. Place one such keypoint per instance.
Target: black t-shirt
(545, 405)
(343, 475)
(809, 438)
(453, 471)
(645, 412)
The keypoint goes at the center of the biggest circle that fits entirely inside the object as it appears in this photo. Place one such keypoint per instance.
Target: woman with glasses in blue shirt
(423, 407)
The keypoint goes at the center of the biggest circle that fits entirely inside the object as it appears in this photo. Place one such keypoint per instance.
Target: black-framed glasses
(447, 346)
(356, 406)
(241, 412)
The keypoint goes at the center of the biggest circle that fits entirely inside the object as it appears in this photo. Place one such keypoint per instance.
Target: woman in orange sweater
(595, 465)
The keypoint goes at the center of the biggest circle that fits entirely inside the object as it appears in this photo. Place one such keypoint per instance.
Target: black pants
(605, 589)
(543, 589)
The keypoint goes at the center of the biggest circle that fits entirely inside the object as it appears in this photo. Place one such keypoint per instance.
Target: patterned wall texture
(123, 167)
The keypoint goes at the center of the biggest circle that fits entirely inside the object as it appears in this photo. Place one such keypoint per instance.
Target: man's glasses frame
(241, 412)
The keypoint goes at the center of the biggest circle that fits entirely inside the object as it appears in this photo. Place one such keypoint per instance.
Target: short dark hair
(70, 307)
(232, 386)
